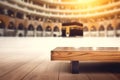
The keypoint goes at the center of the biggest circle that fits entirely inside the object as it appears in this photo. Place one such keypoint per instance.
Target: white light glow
(45, 45)
(94, 48)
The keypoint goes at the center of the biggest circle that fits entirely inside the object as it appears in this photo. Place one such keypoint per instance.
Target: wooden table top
(106, 54)
(87, 49)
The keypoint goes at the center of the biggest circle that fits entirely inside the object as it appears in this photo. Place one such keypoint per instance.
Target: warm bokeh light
(81, 1)
(86, 1)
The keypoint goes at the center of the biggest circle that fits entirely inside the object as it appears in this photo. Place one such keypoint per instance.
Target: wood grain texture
(102, 76)
(39, 67)
(45, 71)
(108, 54)
(9, 64)
(117, 75)
(21, 71)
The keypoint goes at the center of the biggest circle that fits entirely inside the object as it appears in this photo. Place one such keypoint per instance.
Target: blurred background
(60, 18)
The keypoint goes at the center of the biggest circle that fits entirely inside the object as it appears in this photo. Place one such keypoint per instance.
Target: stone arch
(20, 30)
(118, 30)
(93, 31)
(93, 28)
(110, 31)
(11, 29)
(11, 25)
(20, 26)
(101, 31)
(118, 26)
(39, 28)
(2, 28)
(39, 31)
(2, 24)
(85, 28)
(101, 28)
(56, 29)
(85, 31)
(30, 27)
(30, 31)
(48, 28)
(109, 27)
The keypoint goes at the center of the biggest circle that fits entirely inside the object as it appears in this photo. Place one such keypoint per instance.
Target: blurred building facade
(44, 18)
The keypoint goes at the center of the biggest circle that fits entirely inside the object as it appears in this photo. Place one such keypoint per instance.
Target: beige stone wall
(26, 23)
(114, 22)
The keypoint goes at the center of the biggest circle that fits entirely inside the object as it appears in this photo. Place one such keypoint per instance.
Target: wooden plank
(102, 76)
(100, 54)
(99, 71)
(43, 69)
(47, 70)
(52, 72)
(38, 73)
(90, 56)
(12, 58)
(65, 73)
(14, 63)
(117, 75)
(87, 49)
(22, 71)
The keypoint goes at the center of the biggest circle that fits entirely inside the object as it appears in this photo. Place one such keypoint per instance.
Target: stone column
(97, 33)
(34, 33)
(44, 5)
(52, 32)
(5, 12)
(24, 16)
(115, 32)
(44, 33)
(106, 32)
